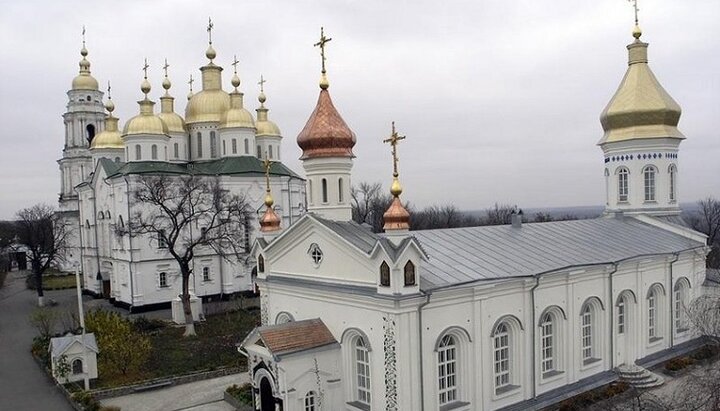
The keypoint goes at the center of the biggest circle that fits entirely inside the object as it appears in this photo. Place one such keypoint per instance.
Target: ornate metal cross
(209, 30)
(190, 82)
(635, 6)
(321, 44)
(109, 97)
(145, 67)
(235, 63)
(83, 35)
(267, 163)
(165, 67)
(394, 140)
(262, 84)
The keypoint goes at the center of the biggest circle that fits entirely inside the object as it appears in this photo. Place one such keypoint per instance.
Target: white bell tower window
(649, 173)
(672, 171)
(623, 175)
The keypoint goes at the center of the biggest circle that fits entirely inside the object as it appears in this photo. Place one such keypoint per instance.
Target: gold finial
(209, 30)
(109, 105)
(268, 198)
(324, 84)
(166, 81)
(394, 139)
(145, 86)
(261, 97)
(636, 31)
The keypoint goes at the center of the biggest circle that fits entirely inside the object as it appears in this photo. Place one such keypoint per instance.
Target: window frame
(361, 370)
(623, 184)
(672, 172)
(163, 280)
(447, 370)
(385, 275)
(548, 349)
(650, 183)
(74, 369)
(409, 273)
(206, 274)
(502, 369)
(309, 401)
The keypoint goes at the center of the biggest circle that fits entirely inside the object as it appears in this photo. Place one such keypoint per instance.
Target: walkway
(206, 395)
(23, 385)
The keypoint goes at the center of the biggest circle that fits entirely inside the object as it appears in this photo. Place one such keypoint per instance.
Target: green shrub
(679, 363)
(146, 325)
(122, 349)
(40, 348)
(704, 353)
(241, 392)
(86, 400)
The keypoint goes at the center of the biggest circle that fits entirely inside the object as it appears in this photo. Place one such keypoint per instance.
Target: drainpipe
(130, 272)
(611, 306)
(672, 295)
(420, 340)
(533, 377)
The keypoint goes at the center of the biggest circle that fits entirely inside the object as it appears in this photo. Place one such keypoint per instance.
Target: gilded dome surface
(84, 81)
(640, 108)
(145, 123)
(267, 128)
(237, 117)
(108, 138)
(173, 121)
(207, 105)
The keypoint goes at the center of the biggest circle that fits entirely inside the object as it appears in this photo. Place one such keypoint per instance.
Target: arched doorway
(267, 401)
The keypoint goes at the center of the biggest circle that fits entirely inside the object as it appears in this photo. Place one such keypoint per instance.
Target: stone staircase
(638, 377)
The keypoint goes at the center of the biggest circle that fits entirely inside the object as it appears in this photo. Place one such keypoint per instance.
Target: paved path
(206, 395)
(23, 385)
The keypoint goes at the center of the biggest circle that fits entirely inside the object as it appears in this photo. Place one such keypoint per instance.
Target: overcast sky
(499, 99)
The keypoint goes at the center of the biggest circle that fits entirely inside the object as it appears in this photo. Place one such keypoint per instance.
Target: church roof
(292, 337)
(59, 345)
(246, 165)
(466, 255)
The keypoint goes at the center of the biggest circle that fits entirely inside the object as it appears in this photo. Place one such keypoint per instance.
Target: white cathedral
(101, 164)
(513, 317)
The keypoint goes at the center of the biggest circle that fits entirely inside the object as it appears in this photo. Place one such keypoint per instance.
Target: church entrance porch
(267, 400)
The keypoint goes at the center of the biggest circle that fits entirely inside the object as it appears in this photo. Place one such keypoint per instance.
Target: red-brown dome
(326, 134)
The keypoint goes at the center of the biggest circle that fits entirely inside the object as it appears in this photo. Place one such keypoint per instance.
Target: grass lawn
(59, 281)
(212, 348)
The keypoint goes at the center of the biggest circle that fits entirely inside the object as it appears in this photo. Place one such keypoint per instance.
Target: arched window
(324, 191)
(121, 221)
(672, 172)
(649, 178)
(162, 279)
(270, 151)
(213, 145)
(234, 146)
(153, 152)
(587, 325)
(138, 152)
(206, 274)
(283, 318)
(547, 343)
(361, 366)
(310, 401)
(621, 307)
(384, 274)
(223, 144)
(681, 291)
(623, 176)
(176, 150)
(655, 301)
(90, 132)
(259, 152)
(447, 370)
(247, 146)
(117, 159)
(261, 264)
(409, 272)
(340, 191)
(77, 366)
(501, 349)
(199, 145)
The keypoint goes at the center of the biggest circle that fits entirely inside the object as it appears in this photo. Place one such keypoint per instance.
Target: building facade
(103, 165)
(481, 318)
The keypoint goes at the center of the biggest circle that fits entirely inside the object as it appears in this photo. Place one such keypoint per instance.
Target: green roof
(246, 166)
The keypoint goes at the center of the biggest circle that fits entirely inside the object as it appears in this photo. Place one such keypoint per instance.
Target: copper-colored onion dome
(326, 134)
(396, 217)
(270, 221)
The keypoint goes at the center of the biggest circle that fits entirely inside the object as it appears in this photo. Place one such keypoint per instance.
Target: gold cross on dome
(262, 84)
(190, 82)
(394, 140)
(165, 67)
(145, 67)
(235, 63)
(209, 30)
(635, 6)
(321, 44)
(83, 35)
(267, 163)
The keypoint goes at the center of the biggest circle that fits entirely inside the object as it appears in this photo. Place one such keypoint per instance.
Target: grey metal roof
(463, 255)
(356, 234)
(59, 345)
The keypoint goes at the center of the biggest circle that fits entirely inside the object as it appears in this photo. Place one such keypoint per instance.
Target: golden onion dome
(237, 115)
(110, 138)
(173, 121)
(207, 106)
(146, 122)
(640, 108)
(265, 127)
(84, 81)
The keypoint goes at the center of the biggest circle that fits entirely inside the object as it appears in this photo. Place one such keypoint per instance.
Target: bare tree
(498, 215)
(707, 220)
(167, 209)
(43, 232)
(369, 203)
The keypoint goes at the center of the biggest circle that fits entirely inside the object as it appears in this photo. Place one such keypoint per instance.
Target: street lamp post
(86, 368)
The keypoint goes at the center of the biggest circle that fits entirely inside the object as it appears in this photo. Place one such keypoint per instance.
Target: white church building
(511, 317)
(101, 165)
